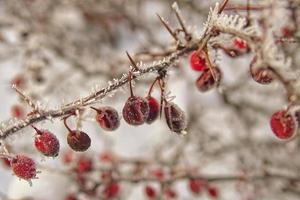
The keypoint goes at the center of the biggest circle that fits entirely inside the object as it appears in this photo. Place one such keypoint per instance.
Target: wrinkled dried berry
(108, 118)
(136, 110)
(207, 80)
(175, 118)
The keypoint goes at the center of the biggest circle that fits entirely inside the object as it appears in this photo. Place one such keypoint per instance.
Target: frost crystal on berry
(175, 118)
(23, 167)
(47, 143)
(135, 110)
(108, 118)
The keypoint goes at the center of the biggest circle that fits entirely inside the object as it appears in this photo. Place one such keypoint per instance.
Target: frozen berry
(283, 124)
(207, 80)
(240, 44)
(175, 118)
(136, 110)
(111, 190)
(153, 109)
(77, 140)
(150, 192)
(198, 61)
(261, 75)
(108, 118)
(46, 142)
(212, 191)
(196, 186)
(68, 157)
(23, 167)
(158, 173)
(84, 164)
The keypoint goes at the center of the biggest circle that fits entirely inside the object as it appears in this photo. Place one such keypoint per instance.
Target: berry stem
(151, 87)
(130, 84)
(66, 125)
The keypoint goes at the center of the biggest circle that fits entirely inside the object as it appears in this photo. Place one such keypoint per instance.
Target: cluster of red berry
(210, 76)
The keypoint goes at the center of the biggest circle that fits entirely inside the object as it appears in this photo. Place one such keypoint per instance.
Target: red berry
(70, 197)
(286, 31)
(175, 118)
(150, 192)
(111, 190)
(198, 61)
(17, 111)
(18, 80)
(136, 110)
(240, 44)
(78, 140)
(153, 109)
(283, 124)
(84, 164)
(108, 118)
(68, 157)
(46, 142)
(261, 75)
(207, 81)
(212, 192)
(105, 157)
(196, 186)
(170, 194)
(158, 173)
(23, 167)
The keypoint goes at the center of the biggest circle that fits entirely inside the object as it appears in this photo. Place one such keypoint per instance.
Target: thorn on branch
(132, 62)
(172, 33)
(181, 21)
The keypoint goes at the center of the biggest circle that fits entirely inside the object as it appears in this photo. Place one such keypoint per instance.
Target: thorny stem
(168, 28)
(132, 62)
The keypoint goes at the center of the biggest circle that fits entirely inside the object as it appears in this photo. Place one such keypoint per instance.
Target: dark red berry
(108, 118)
(46, 142)
(153, 109)
(136, 110)
(198, 61)
(111, 190)
(84, 164)
(196, 186)
(175, 118)
(150, 192)
(212, 191)
(283, 124)
(259, 74)
(240, 44)
(23, 167)
(207, 80)
(78, 140)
